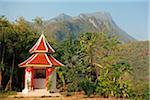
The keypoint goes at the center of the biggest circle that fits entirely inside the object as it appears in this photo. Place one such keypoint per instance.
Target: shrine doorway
(40, 78)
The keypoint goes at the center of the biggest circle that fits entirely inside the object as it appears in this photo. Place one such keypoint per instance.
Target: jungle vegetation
(95, 63)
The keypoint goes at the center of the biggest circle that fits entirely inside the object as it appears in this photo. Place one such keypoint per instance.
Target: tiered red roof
(39, 57)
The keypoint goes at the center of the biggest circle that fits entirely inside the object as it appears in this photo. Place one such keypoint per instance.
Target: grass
(4, 94)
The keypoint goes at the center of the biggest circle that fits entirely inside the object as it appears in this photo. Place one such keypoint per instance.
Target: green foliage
(137, 55)
(88, 87)
(5, 94)
(28, 83)
(82, 57)
(146, 94)
(17, 38)
(49, 82)
(2, 67)
(111, 82)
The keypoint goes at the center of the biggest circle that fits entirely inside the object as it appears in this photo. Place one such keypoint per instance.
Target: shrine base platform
(39, 93)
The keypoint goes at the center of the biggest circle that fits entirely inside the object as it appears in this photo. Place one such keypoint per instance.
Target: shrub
(111, 83)
(146, 94)
(108, 88)
(88, 87)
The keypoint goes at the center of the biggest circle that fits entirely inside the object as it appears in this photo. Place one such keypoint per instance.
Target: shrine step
(37, 93)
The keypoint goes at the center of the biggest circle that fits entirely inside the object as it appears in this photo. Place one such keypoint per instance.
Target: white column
(53, 87)
(27, 79)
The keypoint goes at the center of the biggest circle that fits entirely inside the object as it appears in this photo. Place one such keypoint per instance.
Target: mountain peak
(100, 15)
(87, 22)
(63, 14)
(63, 17)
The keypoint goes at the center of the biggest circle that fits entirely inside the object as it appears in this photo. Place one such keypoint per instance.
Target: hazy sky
(129, 15)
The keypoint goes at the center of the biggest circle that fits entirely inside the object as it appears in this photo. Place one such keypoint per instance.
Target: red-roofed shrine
(40, 66)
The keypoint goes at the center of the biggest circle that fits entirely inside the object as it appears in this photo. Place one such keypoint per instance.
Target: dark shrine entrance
(40, 78)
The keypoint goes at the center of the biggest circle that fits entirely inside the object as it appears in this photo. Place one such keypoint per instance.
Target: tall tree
(4, 25)
(18, 46)
(39, 27)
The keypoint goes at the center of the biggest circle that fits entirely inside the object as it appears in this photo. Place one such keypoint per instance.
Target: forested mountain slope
(63, 25)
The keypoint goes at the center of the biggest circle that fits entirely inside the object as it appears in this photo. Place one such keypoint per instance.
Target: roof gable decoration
(40, 58)
(42, 45)
(54, 61)
(50, 49)
(35, 60)
(23, 63)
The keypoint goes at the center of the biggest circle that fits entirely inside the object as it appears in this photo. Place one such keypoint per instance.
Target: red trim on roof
(42, 45)
(50, 49)
(24, 63)
(40, 58)
(54, 61)
(37, 60)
